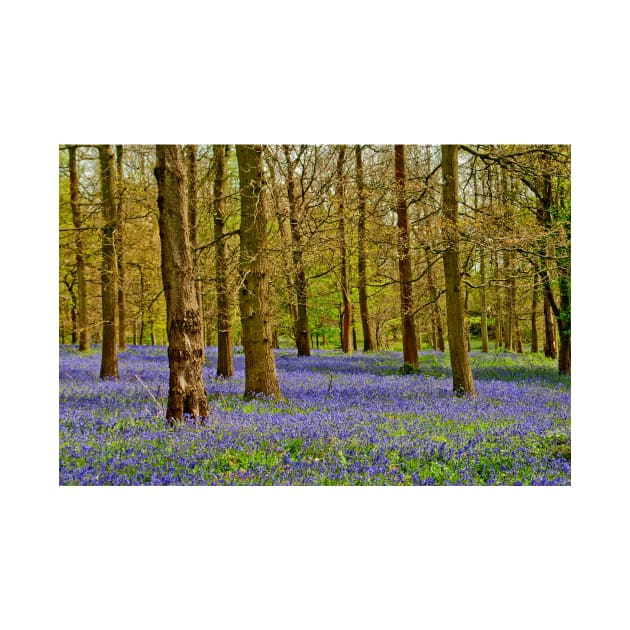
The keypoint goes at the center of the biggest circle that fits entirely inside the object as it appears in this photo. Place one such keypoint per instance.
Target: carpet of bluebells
(343, 420)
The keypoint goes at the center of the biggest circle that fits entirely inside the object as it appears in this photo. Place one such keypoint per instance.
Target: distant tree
(84, 337)
(109, 270)
(405, 277)
(225, 358)
(120, 226)
(346, 313)
(296, 211)
(460, 364)
(254, 271)
(369, 342)
(186, 394)
(193, 225)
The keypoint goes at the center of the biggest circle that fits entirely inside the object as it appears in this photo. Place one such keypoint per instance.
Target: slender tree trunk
(109, 272)
(84, 333)
(551, 347)
(369, 343)
(460, 364)
(518, 339)
(300, 325)
(288, 270)
(285, 239)
(436, 311)
(483, 301)
(534, 325)
(186, 393)
(193, 226)
(346, 318)
(120, 218)
(225, 351)
(498, 326)
(73, 319)
(410, 348)
(564, 327)
(260, 369)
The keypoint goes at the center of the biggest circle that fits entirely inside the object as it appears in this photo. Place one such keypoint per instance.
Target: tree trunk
(436, 311)
(551, 347)
(564, 326)
(109, 272)
(534, 335)
(193, 226)
(120, 218)
(84, 333)
(225, 352)
(483, 300)
(300, 325)
(260, 369)
(498, 325)
(346, 319)
(460, 364)
(410, 349)
(186, 393)
(285, 240)
(369, 343)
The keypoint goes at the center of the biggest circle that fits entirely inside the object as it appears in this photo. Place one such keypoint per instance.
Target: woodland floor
(343, 420)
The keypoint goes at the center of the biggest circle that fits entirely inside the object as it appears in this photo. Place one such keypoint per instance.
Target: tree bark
(186, 393)
(225, 351)
(534, 314)
(551, 346)
(346, 317)
(483, 301)
(84, 333)
(369, 343)
(410, 348)
(260, 369)
(109, 271)
(460, 364)
(300, 324)
(120, 218)
(193, 226)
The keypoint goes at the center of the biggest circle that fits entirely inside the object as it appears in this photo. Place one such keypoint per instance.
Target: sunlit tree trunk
(109, 272)
(260, 368)
(534, 314)
(460, 364)
(410, 348)
(369, 343)
(483, 301)
(346, 316)
(193, 226)
(550, 349)
(225, 351)
(186, 393)
(300, 325)
(84, 333)
(120, 218)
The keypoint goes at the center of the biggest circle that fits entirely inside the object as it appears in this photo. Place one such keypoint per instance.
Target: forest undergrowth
(343, 420)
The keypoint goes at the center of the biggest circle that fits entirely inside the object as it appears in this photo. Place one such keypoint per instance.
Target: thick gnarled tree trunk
(460, 364)
(260, 367)
(225, 352)
(410, 347)
(186, 393)
(109, 271)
